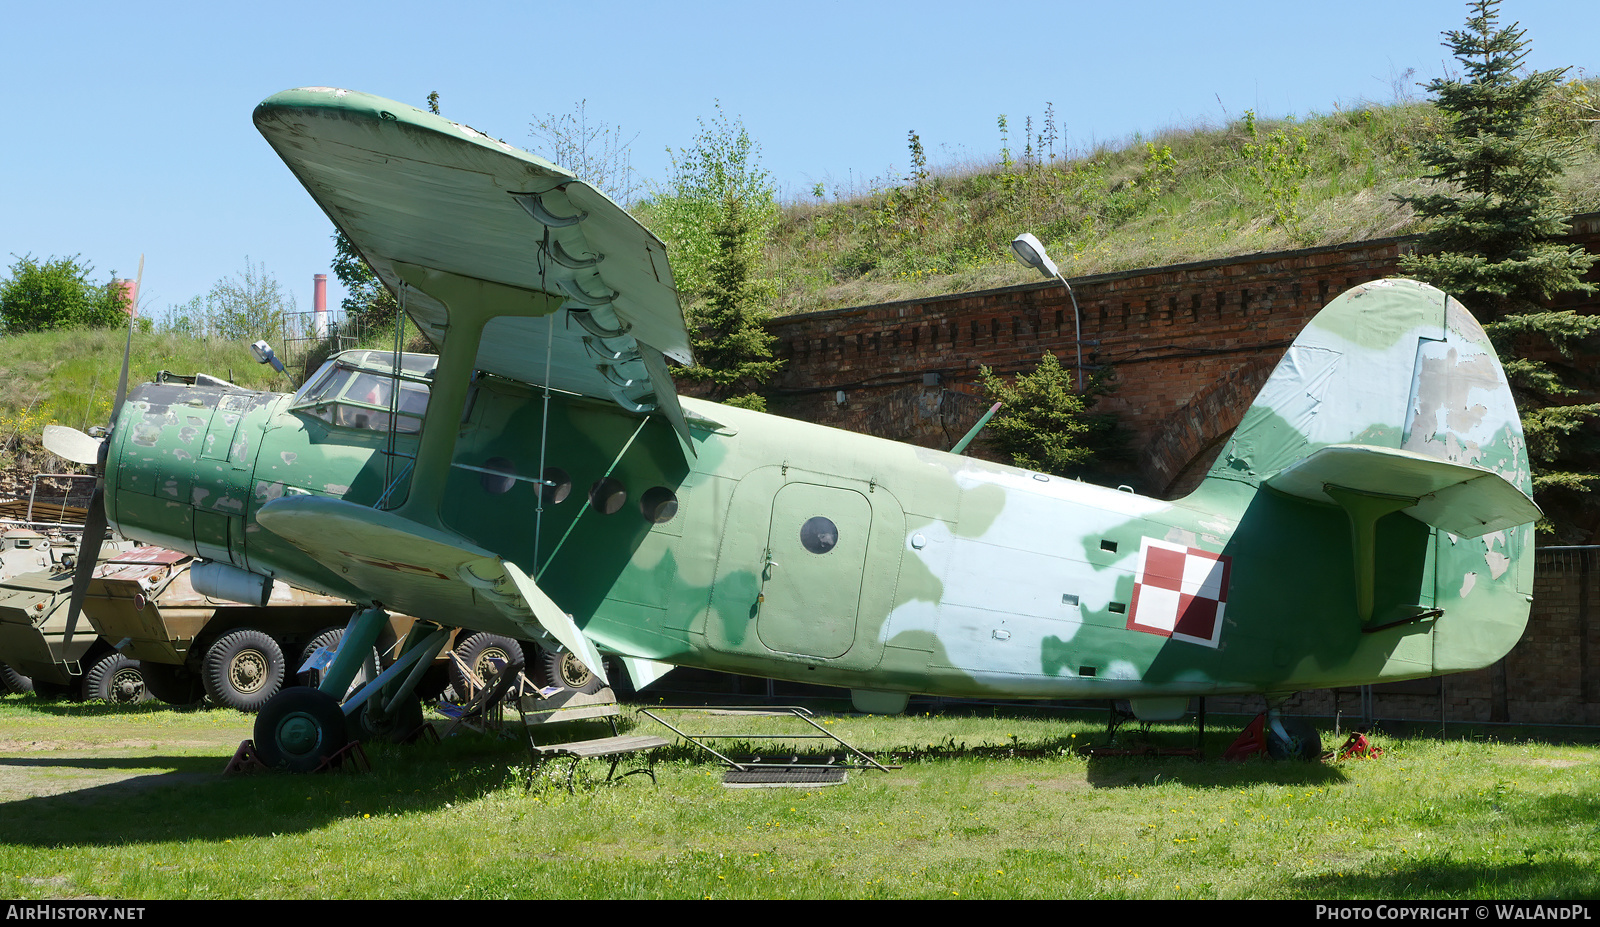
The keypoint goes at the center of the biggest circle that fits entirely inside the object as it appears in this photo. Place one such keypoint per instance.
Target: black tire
(299, 728)
(392, 728)
(475, 652)
(13, 682)
(115, 678)
(174, 685)
(244, 669)
(566, 670)
(1302, 743)
(44, 689)
(330, 638)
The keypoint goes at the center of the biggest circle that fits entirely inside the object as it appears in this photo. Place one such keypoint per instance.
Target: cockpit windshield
(356, 389)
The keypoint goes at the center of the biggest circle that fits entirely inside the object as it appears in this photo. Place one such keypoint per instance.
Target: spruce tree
(732, 346)
(1494, 224)
(1041, 425)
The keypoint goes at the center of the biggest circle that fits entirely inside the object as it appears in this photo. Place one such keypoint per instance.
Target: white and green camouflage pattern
(1368, 521)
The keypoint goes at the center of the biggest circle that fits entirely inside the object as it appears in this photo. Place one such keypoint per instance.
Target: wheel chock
(351, 751)
(1252, 742)
(244, 759)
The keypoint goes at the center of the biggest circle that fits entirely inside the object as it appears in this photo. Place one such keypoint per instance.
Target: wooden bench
(568, 705)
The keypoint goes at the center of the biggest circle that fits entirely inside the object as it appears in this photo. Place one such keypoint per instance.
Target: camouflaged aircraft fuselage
(1369, 519)
(801, 552)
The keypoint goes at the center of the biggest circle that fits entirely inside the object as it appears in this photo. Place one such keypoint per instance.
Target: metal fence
(303, 337)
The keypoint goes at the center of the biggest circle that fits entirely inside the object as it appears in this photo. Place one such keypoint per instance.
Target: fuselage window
(502, 479)
(658, 505)
(607, 496)
(819, 535)
(557, 486)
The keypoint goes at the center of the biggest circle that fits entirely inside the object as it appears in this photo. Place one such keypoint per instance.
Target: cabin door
(811, 583)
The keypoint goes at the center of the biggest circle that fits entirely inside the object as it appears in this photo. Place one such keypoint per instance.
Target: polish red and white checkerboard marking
(1180, 592)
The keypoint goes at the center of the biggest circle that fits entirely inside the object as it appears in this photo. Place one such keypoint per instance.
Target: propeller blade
(71, 444)
(127, 349)
(94, 533)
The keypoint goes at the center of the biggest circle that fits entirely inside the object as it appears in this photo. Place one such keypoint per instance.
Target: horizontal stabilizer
(424, 572)
(1464, 500)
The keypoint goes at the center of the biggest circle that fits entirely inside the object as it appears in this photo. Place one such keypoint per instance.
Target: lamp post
(1029, 251)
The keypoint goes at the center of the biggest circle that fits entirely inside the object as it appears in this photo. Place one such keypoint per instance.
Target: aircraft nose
(179, 473)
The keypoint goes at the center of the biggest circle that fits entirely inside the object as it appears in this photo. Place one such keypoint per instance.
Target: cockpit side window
(355, 390)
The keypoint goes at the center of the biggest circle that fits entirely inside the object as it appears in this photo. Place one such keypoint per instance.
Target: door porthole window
(819, 534)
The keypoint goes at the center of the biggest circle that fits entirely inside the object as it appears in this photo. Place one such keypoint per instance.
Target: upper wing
(415, 192)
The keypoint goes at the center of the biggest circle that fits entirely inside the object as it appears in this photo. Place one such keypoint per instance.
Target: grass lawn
(112, 802)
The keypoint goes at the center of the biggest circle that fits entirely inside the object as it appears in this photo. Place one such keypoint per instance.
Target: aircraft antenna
(394, 384)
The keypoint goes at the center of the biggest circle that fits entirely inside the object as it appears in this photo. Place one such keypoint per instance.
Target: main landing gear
(1280, 736)
(302, 728)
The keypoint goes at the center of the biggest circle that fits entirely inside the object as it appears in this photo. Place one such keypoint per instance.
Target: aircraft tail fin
(1392, 402)
(1392, 364)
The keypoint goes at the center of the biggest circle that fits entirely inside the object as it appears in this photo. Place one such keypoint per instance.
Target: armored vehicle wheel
(330, 638)
(174, 685)
(299, 728)
(475, 652)
(243, 669)
(565, 669)
(1301, 743)
(13, 682)
(54, 690)
(115, 678)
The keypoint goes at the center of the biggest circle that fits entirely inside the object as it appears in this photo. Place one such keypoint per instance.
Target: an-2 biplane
(1369, 519)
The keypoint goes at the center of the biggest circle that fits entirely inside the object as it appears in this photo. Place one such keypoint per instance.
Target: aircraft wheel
(243, 669)
(1302, 743)
(13, 682)
(565, 669)
(299, 728)
(393, 728)
(174, 685)
(475, 652)
(115, 678)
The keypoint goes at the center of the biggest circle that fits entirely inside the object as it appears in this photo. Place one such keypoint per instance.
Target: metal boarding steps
(779, 769)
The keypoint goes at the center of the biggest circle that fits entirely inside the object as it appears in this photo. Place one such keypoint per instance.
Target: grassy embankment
(126, 803)
(1178, 195)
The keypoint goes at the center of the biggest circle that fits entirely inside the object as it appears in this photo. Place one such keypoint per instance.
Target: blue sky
(130, 130)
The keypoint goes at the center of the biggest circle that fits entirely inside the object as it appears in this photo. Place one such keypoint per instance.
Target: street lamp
(1029, 251)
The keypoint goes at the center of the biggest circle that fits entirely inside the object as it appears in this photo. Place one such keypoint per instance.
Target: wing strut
(544, 434)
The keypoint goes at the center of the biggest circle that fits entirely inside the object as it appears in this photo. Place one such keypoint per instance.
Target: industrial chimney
(319, 304)
(130, 293)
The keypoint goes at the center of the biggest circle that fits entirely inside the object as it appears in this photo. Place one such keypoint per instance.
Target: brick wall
(1189, 345)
